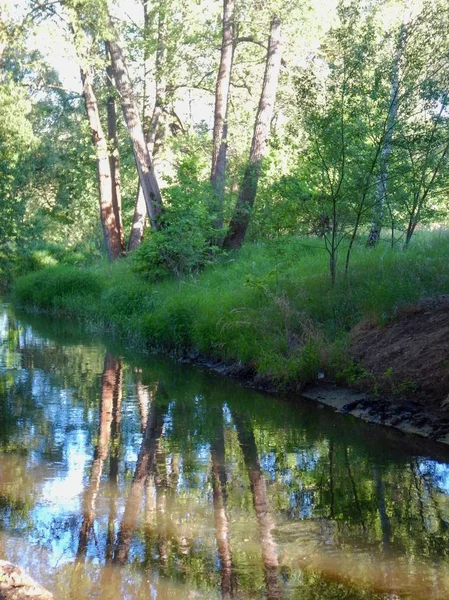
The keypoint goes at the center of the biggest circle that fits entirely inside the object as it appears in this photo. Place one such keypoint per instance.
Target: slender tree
(151, 122)
(381, 187)
(148, 181)
(241, 217)
(219, 143)
(113, 147)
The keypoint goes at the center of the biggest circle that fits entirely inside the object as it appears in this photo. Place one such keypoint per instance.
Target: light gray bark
(218, 171)
(382, 179)
(151, 124)
(148, 181)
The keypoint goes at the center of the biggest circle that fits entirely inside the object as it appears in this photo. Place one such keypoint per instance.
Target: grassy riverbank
(271, 307)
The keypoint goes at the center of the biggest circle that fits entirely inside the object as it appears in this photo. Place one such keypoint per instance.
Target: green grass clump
(271, 307)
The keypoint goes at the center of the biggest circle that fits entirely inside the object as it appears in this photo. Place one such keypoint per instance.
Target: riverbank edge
(368, 405)
(383, 410)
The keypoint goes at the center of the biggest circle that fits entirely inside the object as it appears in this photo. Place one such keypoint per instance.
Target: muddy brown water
(125, 475)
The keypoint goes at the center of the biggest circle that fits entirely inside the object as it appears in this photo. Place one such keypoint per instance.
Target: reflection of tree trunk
(259, 491)
(114, 465)
(354, 488)
(217, 451)
(145, 462)
(109, 389)
(419, 493)
(161, 506)
(382, 508)
(331, 480)
(143, 398)
(245, 201)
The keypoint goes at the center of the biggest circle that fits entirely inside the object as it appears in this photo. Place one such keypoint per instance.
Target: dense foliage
(358, 143)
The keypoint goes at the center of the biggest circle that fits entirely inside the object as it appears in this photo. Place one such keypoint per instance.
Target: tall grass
(271, 307)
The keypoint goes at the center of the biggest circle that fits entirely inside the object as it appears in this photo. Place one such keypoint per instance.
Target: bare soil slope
(408, 359)
(412, 352)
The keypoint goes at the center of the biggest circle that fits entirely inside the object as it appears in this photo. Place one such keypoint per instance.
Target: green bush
(182, 246)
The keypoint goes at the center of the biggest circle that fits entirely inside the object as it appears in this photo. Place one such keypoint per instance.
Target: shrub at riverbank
(271, 308)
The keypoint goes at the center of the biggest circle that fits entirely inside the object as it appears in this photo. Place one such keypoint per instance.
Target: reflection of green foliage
(333, 485)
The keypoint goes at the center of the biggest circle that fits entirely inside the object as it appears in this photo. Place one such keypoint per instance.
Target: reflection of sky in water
(60, 501)
(438, 471)
(62, 430)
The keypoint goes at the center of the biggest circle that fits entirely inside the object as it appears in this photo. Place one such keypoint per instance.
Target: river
(126, 475)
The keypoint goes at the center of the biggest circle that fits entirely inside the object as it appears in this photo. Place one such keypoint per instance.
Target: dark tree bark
(219, 148)
(105, 181)
(147, 178)
(241, 217)
(261, 506)
(114, 154)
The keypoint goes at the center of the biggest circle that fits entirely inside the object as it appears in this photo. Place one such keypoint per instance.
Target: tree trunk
(139, 220)
(105, 182)
(381, 187)
(150, 124)
(261, 507)
(217, 451)
(110, 380)
(219, 149)
(131, 115)
(114, 463)
(144, 465)
(241, 217)
(153, 130)
(114, 155)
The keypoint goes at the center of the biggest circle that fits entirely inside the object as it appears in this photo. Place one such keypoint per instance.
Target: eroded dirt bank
(401, 372)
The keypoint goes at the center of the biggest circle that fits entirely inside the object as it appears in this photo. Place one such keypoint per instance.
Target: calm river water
(130, 476)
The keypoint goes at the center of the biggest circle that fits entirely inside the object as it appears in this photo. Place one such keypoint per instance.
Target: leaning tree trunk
(131, 115)
(241, 217)
(381, 187)
(219, 149)
(105, 181)
(114, 154)
(150, 123)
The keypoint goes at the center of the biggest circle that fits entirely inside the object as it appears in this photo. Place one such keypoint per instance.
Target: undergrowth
(271, 307)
